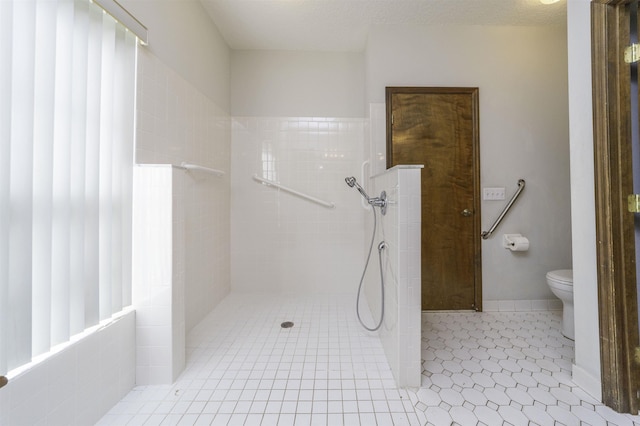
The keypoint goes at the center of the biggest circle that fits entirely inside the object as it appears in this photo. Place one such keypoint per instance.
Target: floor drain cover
(286, 324)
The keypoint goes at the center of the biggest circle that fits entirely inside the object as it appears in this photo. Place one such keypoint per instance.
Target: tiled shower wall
(281, 242)
(399, 228)
(159, 273)
(177, 123)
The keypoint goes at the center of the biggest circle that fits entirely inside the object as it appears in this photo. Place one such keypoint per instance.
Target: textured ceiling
(342, 25)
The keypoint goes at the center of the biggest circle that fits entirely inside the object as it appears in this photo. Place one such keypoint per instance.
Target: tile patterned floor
(478, 369)
(503, 369)
(244, 369)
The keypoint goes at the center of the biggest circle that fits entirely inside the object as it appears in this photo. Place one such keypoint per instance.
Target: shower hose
(381, 246)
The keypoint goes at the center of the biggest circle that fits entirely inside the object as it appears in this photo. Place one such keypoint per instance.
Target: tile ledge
(398, 167)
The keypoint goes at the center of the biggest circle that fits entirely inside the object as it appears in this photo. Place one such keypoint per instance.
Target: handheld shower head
(351, 181)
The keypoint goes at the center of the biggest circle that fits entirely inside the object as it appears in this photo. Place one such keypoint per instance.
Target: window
(67, 79)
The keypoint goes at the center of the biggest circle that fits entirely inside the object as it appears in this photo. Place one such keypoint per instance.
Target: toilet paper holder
(515, 242)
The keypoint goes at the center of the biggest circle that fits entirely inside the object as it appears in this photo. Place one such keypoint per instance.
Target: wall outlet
(492, 194)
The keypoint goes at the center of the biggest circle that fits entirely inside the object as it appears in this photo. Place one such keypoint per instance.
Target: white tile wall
(177, 123)
(158, 274)
(400, 229)
(178, 271)
(282, 242)
(207, 250)
(410, 293)
(78, 384)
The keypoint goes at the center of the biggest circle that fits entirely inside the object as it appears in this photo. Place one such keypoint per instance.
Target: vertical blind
(67, 85)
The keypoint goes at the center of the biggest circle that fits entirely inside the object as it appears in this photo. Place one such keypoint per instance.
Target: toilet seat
(561, 276)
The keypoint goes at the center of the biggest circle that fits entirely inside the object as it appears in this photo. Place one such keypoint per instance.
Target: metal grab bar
(294, 192)
(487, 234)
(188, 167)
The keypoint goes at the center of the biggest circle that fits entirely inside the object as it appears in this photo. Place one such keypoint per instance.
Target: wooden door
(438, 127)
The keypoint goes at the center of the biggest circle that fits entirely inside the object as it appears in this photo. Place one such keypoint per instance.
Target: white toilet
(561, 284)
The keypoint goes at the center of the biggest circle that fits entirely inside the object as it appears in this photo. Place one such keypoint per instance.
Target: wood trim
(618, 310)
(611, 2)
(477, 201)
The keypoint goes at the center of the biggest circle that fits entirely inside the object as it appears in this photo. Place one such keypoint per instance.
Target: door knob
(466, 212)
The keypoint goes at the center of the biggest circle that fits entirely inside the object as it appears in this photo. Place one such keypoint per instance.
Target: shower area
(284, 339)
(318, 246)
(277, 221)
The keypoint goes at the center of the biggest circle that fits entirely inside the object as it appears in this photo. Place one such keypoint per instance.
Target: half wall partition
(400, 228)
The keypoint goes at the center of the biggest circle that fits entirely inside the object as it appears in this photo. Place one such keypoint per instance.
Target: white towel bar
(294, 192)
(189, 167)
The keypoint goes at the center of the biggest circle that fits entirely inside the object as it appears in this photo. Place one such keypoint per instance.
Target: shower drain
(286, 324)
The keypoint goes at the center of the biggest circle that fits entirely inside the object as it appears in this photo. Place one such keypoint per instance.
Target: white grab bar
(363, 179)
(189, 167)
(294, 192)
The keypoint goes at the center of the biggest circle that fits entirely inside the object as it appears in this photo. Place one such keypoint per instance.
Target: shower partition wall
(401, 230)
(159, 273)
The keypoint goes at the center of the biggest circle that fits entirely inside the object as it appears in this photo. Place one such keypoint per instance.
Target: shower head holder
(380, 201)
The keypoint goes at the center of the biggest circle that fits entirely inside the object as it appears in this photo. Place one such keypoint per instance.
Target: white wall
(522, 78)
(77, 384)
(183, 37)
(298, 84)
(586, 370)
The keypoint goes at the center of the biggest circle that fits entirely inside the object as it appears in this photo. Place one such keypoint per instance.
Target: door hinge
(633, 203)
(392, 119)
(636, 355)
(632, 53)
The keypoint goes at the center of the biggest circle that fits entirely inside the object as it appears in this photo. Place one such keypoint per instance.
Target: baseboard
(587, 382)
(521, 305)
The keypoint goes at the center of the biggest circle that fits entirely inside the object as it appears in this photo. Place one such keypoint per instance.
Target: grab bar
(365, 204)
(294, 192)
(188, 167)
(487, 234)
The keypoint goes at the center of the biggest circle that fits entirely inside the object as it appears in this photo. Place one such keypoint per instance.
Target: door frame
(477, 225)
(617, 302)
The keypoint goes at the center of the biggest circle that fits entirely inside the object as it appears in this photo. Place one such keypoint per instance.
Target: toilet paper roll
(518, 244)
